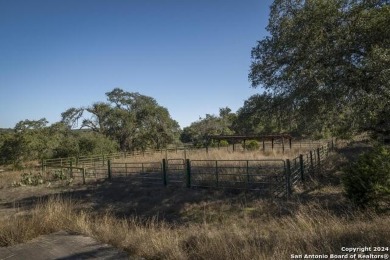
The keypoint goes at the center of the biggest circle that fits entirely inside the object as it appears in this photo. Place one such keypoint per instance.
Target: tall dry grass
(8, 177)
(213, 154)
(241, 234)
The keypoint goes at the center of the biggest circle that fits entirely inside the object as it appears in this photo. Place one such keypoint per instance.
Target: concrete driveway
(61, 245)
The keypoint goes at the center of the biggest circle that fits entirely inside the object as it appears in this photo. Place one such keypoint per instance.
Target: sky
(192, 56)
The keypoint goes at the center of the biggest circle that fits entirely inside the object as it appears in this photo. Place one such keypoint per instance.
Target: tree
(198, 132)
(91, 143)
(71, 116)
(331, 59)
(265, 114)
(28, 142)
(135, 121)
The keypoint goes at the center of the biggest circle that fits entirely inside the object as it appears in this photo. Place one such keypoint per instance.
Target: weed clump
(252, 145)
(30, 178)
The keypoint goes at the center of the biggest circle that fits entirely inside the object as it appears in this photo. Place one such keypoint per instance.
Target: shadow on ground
(124, 197)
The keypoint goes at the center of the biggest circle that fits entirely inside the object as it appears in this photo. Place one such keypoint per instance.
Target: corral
(272, 174)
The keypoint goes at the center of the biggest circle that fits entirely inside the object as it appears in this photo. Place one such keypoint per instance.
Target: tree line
(127, 121)
(323, 71)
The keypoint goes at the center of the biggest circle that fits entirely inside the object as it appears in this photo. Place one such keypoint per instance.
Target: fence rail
(274, 177)
(262, 175)
(148, 172)
(101, 159)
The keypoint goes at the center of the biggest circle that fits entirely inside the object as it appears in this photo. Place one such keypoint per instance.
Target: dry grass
(215, 154)
(210, 224)
(8, 177)
(245, 233)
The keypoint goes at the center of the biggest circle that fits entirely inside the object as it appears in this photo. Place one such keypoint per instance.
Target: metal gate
(266, 176)
(176, 172)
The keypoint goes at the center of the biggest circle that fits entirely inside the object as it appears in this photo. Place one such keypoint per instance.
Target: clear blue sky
(192, 56)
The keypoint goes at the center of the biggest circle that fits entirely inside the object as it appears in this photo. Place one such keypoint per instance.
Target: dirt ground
(123, 197)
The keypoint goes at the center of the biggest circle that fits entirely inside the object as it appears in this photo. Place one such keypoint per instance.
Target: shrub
(223, 143)
(367, 181)
(30, 178)
(252, 145)
(60, 175)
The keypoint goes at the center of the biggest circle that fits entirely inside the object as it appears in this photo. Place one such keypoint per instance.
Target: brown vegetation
(180, 223)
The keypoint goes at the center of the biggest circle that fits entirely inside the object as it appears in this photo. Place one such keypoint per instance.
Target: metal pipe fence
(144, 172)
(262, 175)
(274, 177)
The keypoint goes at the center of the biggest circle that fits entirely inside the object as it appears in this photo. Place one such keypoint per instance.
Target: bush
(252, 145)
(93, 143)
(367, 181)
(60, 174)
(30, 178)
(223, 143)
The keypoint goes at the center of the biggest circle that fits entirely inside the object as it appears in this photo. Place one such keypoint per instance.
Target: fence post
(301, 166)
(164, 165)
(188, 163)
(319, 158)
(84, 176)
(109, 169)
(216, 173)
(311, 162)
(327, 149)
(288, 181)
(247, 174)
(43, 165)
(71, 169)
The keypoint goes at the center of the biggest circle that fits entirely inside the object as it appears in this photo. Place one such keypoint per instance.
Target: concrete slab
(61, 245)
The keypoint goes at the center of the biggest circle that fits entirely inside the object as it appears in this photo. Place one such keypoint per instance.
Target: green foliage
(329, 61)
(67, 147)
(28, 143)
(197, 133)
(12, 150)
(61, 174)
(223, 143)
(367, 181)
(252, 145)
(216, 143)
(32, 179)
(91, 143)
(265, 114)
(129, 121)
(134, 121)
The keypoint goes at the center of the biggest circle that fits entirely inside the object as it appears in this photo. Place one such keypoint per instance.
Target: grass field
(180, 223)
(225, 153)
